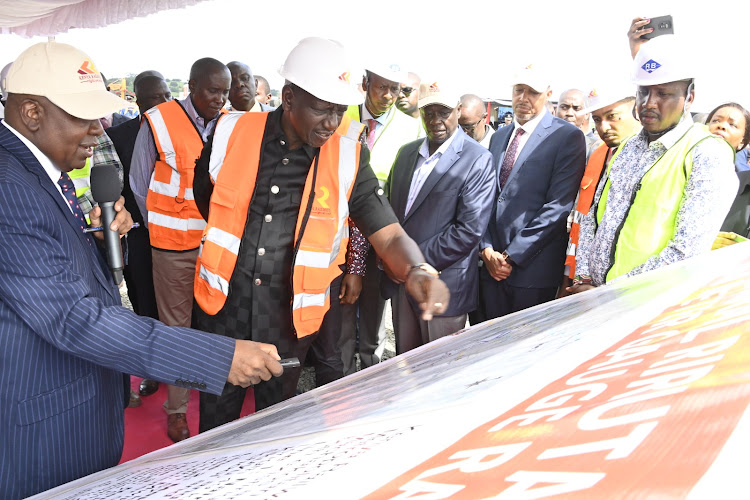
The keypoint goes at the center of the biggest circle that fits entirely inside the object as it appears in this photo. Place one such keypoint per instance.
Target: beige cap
(533, 76)
(437, 93)
(64, 75)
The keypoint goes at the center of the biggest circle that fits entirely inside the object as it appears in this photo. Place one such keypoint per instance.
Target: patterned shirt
(709, 192)
(356, 252)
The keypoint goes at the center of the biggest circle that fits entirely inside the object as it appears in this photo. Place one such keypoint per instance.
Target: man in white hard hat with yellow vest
(611, 108)
(161, 177)
(282, 186)
(668, 188)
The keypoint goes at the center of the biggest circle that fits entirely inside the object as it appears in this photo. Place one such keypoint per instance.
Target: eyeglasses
(407, 90)
(470, 128)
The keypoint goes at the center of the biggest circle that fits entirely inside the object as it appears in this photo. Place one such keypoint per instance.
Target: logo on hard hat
(593, 94)
(344, 77)
(650, 66)
(434, 88)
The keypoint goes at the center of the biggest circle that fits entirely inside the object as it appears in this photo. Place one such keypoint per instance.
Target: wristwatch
(508, 258)
(424, 266)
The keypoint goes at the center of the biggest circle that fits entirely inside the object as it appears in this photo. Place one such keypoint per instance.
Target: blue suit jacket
(65, 341)
(449, 215)
(529, 216)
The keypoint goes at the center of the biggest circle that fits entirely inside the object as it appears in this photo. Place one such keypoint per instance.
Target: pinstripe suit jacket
(65, 341)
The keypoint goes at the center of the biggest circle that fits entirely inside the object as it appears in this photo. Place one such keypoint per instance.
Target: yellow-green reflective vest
(650, 222)
(82, 181)
(400, 129)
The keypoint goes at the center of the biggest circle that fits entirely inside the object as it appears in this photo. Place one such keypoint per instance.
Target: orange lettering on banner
(645, 418)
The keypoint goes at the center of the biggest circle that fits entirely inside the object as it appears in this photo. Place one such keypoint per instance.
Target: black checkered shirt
(258, 306)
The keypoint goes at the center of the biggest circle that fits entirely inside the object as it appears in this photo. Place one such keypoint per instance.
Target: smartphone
(662, 25)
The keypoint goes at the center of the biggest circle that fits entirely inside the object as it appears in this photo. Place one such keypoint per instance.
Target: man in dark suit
(540, 162)
(441, 189)
(65, 341)
(150, 89)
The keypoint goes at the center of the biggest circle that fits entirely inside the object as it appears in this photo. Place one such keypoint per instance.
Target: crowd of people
(256, 233)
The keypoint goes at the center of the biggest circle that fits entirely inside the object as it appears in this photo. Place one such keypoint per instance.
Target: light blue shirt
(425, 164)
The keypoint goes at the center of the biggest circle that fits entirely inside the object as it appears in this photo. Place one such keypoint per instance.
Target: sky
(474, 46)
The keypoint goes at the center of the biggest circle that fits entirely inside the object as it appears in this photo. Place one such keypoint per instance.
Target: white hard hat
(390, 71)
(661, 60)
(3, 74)
(601, 97)
(323, 68)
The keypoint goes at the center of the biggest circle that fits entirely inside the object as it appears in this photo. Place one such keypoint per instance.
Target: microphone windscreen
(105, 183)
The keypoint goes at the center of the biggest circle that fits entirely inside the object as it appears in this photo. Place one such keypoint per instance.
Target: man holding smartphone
(668, 187)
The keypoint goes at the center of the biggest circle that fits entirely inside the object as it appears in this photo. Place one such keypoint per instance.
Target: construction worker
(612, 111)
(668, 188)
(161, 177)
(277, 190)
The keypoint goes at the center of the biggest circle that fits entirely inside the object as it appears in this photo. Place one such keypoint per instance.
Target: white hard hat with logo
(607, 95)
(390, 71)
(323, 68)
(662, 60)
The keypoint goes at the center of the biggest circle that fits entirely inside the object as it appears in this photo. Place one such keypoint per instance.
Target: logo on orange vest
(323, 209)
(344, 77)
(88, 71)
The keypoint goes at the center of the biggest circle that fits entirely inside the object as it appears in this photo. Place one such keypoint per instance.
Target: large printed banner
(638, 390)
(645, 418)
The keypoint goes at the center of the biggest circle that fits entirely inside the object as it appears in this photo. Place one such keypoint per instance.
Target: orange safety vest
(174, 222)
(320, 245)
(589, 183)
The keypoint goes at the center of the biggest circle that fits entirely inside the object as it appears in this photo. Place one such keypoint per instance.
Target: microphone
(105, 188)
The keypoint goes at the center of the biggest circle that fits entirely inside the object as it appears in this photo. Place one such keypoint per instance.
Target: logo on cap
(593, 94)
(87, 68)
(434, 88)
(650, 66)
(344, 77)
(88, 72)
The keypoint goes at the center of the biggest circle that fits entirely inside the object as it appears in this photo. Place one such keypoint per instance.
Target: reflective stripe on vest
(233, 166)
(589, 183)
(173, 217)
(651, 221)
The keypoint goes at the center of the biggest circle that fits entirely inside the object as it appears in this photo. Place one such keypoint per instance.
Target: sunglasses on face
(407, 91)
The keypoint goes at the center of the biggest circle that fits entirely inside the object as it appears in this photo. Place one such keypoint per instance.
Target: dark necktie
(69, 192)
(510, 158)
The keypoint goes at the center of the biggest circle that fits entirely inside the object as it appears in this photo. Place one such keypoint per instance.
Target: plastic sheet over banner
(635, 390)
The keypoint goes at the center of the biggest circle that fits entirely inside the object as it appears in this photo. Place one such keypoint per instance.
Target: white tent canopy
(29, 18)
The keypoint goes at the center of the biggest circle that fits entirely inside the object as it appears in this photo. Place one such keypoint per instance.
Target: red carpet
(146, 426)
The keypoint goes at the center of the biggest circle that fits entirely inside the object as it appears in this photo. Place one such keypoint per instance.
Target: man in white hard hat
(277, 189)
(387, 130)
(612, 110)
(65, 340)
(441, 189)
(668, 188)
